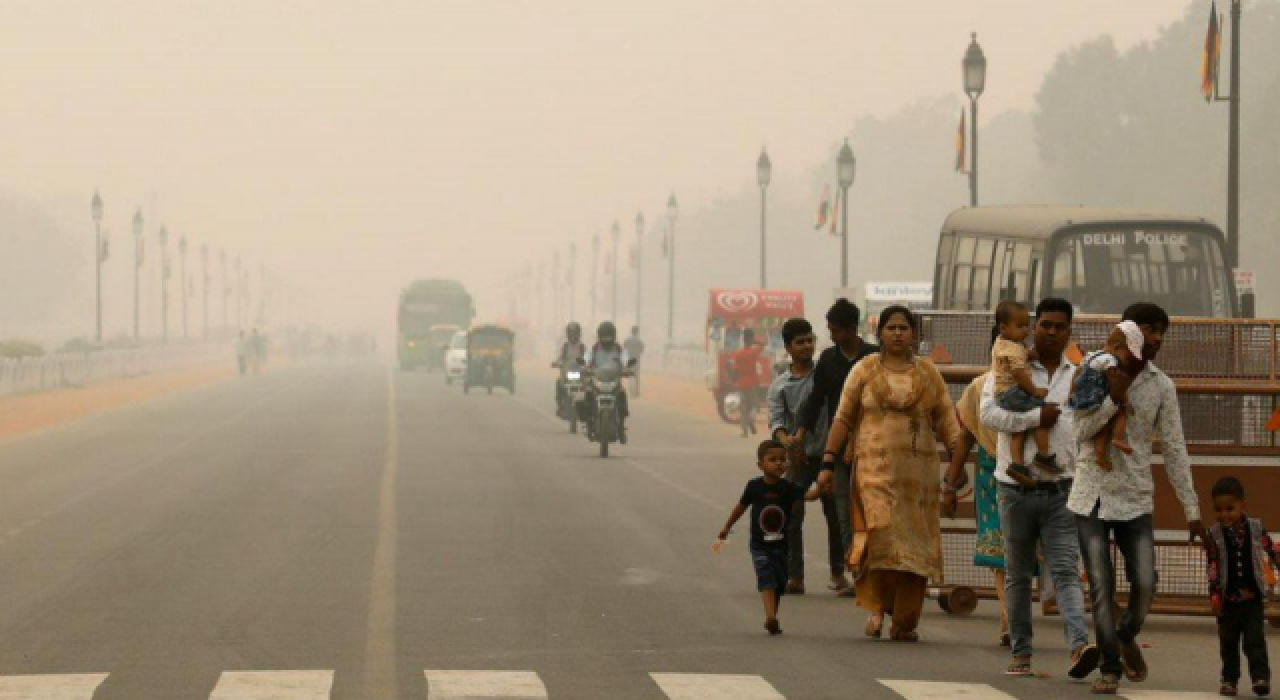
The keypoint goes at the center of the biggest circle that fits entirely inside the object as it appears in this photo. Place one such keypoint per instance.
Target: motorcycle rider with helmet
(572, 355)
(608, 354)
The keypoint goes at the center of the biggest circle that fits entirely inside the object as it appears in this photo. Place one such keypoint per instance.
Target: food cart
(732, 311)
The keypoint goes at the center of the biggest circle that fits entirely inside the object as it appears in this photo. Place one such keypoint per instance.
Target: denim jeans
(1136, 540)
(1028, 518)
(805, 476)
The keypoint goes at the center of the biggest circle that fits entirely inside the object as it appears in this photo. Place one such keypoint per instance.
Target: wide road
(339, 530)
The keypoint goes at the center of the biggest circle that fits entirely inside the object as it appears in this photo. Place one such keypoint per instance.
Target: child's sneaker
(1227, 689)
(1022, 475)
(1048, 463)
(1262, 688)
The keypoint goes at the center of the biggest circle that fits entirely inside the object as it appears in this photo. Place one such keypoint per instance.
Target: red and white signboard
(744, 304)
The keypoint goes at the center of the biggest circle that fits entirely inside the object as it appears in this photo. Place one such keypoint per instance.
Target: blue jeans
(1028, 518)
(1136, 540)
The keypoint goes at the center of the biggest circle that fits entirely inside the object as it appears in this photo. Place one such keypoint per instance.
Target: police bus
(1099, 259)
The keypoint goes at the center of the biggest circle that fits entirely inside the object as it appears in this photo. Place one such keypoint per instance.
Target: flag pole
(1233, 144)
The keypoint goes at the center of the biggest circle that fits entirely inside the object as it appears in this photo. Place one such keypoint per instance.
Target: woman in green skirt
(989, 546)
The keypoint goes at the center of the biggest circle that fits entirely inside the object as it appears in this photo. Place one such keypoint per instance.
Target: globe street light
(764, 173)
(673, 213)
(639, 261)
(164, 284)
(204, 289)
(573, 280)
(137, 267)
(595, 275)
(615, 232)
(975, 79)
(846, 165)
(96, 208)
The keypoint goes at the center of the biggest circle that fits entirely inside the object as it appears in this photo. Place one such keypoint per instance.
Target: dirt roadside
(31, 413)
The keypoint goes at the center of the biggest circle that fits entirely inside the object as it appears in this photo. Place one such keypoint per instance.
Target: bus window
(941, 283)
(983, 257)
(1116, 268)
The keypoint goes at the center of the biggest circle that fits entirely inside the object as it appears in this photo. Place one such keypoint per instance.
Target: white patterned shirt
(1006, 423)
(1127, 491)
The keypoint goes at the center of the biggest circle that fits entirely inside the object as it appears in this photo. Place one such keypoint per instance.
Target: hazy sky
(368, 143)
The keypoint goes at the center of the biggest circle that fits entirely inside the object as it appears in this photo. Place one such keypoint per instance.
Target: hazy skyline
(353, 146)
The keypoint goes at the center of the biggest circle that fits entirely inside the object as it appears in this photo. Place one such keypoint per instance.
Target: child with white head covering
(1093, 383)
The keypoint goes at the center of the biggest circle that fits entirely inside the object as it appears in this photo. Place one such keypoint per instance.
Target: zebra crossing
(514, 685)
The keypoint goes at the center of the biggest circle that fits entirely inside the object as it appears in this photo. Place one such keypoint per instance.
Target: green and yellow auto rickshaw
(491, 358)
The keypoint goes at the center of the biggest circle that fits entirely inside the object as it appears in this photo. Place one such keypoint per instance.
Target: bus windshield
(1102, 271)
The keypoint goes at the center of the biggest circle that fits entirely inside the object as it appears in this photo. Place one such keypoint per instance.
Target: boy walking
(1241, 572)
(787, 393)
(771, 499)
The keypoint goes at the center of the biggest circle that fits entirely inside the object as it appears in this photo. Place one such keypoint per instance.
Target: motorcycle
(572, 392)
(605, 426)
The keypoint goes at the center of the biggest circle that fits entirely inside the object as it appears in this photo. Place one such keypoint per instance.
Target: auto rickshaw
(491, 358)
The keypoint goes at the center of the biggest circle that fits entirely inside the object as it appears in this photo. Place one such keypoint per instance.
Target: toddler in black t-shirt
(771, 499)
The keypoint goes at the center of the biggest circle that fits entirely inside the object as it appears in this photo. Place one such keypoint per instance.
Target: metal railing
(65, 370)
(1229, 349)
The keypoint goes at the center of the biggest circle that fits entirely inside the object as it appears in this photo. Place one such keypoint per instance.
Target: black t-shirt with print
(770, 510)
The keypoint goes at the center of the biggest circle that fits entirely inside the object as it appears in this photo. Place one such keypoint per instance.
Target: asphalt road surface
(342, 531)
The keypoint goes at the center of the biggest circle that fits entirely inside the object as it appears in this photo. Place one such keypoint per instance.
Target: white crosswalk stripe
(928, 690)
(67, 686)
(697, 686)
(469, 685)
(273, 685)
(1166, 695)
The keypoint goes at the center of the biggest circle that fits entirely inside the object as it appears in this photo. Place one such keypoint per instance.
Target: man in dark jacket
(828, 381)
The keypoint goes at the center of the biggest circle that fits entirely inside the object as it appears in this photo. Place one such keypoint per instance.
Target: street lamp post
(639, 261)
(764, 173)
(616, 232)
(573, 280)
(238, 293)
(137, 271)
(226, 290)
(204, 289)
(164, 284)
(975, 79)
(96, 208)
(182, 254)
(846, 168)
(595, 272)
(673, 212)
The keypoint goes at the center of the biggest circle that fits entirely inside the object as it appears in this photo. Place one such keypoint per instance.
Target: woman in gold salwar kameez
(893, 410)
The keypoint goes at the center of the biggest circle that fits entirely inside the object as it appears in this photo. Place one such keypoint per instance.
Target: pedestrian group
(858, 430)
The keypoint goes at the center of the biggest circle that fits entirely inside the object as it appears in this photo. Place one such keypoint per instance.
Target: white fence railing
(64, 370)
(684, 361)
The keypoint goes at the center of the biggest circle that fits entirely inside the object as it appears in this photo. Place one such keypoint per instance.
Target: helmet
(606, 330)
(573, 330)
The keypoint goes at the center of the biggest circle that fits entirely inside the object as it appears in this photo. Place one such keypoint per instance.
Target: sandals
(1107, 684)
(772, 625)
(898, 635)
(1021, 666)
(1135, 667)
(1227, 690)
(874, 627)
(1083, 661)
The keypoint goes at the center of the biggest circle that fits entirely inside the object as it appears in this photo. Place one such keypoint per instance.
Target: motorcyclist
(608, 354)
(573, 354)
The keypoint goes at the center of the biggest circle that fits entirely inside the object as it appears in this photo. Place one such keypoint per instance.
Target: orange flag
(1211, 55)
(960, 159)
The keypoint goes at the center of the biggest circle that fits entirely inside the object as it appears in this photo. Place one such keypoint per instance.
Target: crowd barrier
(74, 369)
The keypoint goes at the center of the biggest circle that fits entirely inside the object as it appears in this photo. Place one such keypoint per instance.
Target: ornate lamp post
(975, 79)
(595, 272)
(639, 261)
(137, 273)
(164, 284)
(846, 166)
(764, 173)
(96, 208)
(673, 213)
(182, 256)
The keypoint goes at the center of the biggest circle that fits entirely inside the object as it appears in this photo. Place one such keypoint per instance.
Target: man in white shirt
(1031, 515)
(1119, 502)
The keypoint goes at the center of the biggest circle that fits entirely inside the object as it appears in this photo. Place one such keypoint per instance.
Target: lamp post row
(101, 250)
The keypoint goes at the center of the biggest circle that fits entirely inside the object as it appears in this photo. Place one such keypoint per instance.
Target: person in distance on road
(772, 499)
